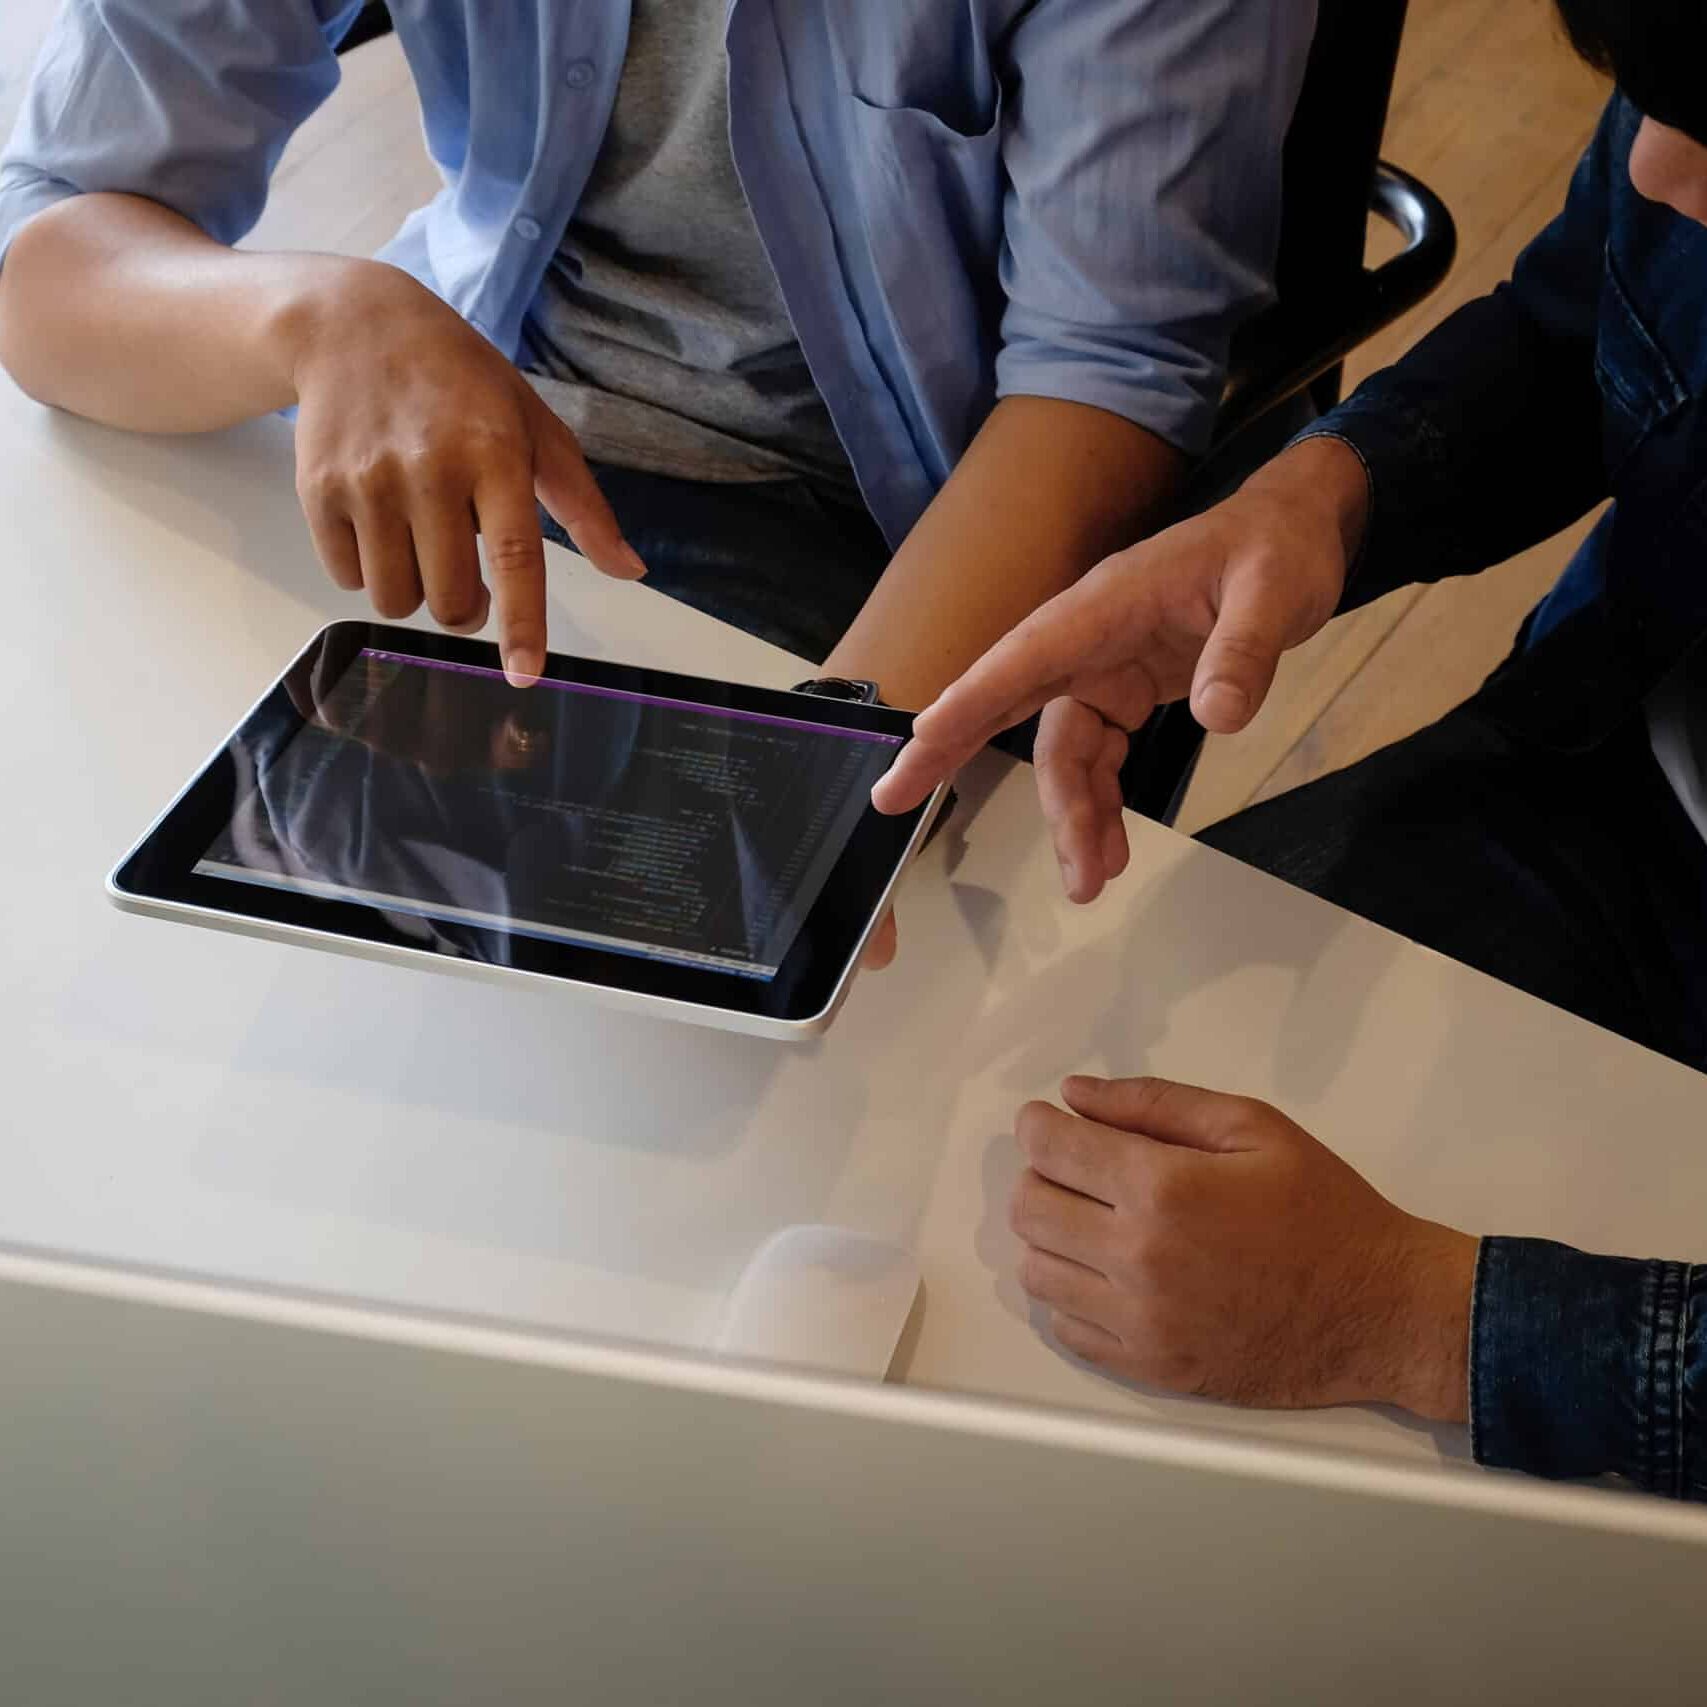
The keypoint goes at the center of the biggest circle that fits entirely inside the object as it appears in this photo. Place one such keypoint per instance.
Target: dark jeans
(782, 559)
(1574, 876)
(793, 563)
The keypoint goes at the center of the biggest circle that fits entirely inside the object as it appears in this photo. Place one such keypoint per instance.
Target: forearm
(1587, 1365)
(118, 309)
(1046, 491)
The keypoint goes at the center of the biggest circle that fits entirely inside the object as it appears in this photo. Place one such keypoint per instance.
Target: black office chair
(371, 21)
(1327, 301)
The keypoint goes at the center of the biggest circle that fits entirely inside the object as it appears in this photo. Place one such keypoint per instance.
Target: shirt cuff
(1413, 533)
(22, 196)
(1582, 1365)
(1176, 402)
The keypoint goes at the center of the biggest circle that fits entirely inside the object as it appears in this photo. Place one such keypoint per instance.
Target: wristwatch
(844, 688)
(851, 691)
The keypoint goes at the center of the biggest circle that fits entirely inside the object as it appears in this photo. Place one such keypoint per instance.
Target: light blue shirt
(962, 199)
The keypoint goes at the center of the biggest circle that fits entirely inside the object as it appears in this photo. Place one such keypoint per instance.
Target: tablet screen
(643, 825)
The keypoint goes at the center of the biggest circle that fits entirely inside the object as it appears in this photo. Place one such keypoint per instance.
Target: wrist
(322, 301)
(1324, 480)
(901, 684)
(1428, 1367)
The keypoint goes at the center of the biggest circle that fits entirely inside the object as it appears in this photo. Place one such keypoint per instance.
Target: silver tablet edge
(629, 1001)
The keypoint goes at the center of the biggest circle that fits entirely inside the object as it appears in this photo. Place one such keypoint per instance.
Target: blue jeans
(1574, 876)
(782, 559)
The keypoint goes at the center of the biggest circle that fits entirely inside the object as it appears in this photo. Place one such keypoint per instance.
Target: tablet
(681, 847)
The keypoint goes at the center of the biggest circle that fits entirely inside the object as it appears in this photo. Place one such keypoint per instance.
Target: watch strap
(849, 689)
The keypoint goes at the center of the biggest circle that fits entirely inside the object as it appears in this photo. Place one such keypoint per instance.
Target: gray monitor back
(202, 1506)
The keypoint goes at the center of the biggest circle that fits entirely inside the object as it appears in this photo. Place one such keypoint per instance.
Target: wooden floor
(1490, 109)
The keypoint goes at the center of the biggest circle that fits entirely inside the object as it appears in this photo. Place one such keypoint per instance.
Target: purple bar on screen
(639, 698)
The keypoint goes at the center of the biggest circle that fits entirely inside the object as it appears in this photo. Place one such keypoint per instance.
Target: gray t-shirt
(660, 335)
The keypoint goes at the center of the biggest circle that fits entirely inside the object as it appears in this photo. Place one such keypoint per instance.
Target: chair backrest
(1335, 141)
(371, 22)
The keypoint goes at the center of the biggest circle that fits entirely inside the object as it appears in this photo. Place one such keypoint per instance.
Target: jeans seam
(1685, 1488)
(1678, 1380)
(1644, 1398)
(1483, 1256)
(1659, 1399)
(1672, 1302)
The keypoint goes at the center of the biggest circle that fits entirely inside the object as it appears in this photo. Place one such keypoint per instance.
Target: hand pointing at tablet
(414, 434)
(1203, 610)
(415, 437)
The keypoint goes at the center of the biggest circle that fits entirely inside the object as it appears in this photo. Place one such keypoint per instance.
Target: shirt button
(527, 229)
(579, 73)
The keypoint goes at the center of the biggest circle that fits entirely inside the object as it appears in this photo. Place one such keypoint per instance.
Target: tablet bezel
(159, 874)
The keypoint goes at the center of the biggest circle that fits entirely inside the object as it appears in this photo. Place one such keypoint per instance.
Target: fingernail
(1225, 702)
(635, 564)
(521, 671)
(1069, 874)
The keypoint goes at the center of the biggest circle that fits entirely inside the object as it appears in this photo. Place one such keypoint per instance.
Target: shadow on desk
(1152, 958)
(517, 1118)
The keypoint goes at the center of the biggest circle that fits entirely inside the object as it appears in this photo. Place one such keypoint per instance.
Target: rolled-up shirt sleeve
(1586, 1365)
(187, 104)
(1143, 157)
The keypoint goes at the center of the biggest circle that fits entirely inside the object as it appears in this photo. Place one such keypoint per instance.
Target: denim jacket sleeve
(1487, 437)
(1588, 1365)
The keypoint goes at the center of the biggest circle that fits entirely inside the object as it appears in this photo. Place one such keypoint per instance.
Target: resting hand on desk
(1203, 610)
(1206, 1244)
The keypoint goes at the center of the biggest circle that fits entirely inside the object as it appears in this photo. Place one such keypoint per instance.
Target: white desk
(216, 1105)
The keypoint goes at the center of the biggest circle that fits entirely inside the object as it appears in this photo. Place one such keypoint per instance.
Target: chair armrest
(1291, 345)
(1278, 355)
